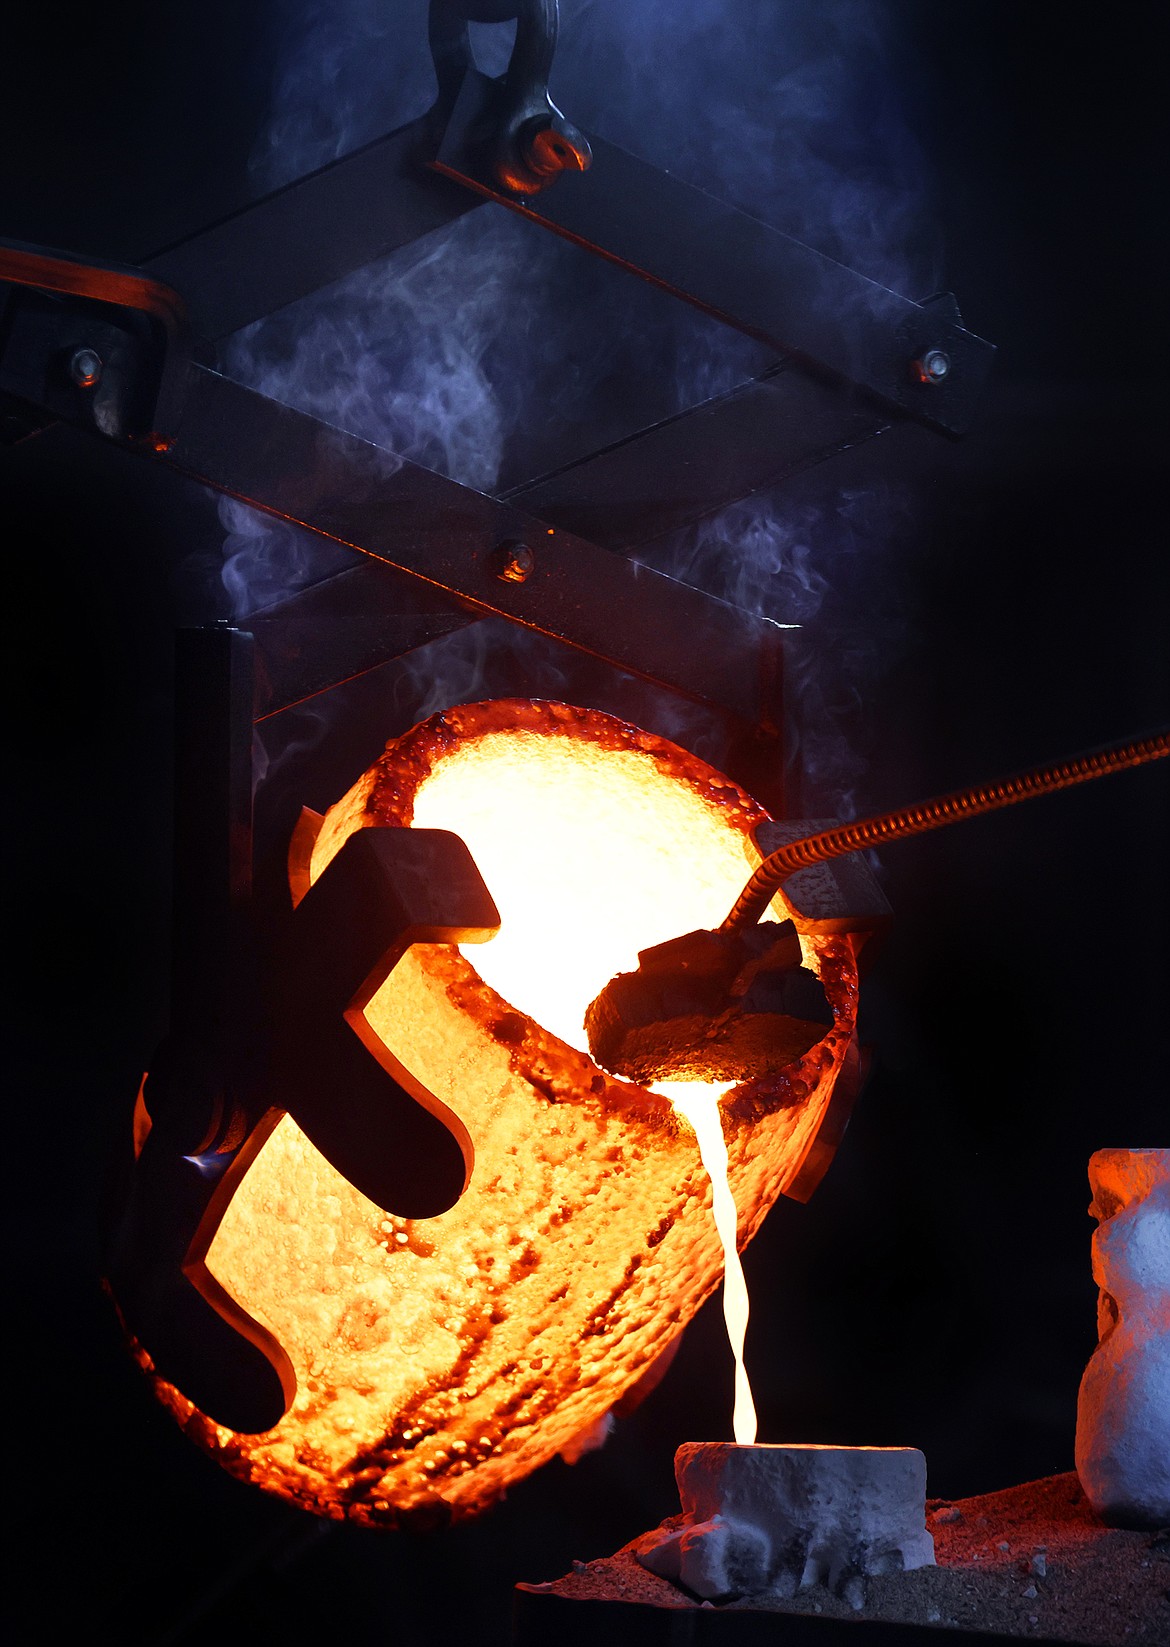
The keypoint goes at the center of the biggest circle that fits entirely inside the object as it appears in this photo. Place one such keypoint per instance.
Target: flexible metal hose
(933, 814)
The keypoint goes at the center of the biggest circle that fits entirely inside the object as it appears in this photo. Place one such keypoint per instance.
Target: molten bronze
(711, 1006)
(439, 1360)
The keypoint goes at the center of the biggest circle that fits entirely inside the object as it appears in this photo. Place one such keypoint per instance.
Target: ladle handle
(933, 814)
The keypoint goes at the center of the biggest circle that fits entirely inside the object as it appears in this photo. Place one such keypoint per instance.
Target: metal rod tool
(726, 1004)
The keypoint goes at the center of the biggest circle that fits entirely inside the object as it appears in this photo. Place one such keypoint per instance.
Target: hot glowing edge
(698, 1102)
(437, 1349)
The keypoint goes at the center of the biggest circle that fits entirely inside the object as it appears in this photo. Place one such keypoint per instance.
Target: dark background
(936, 1291)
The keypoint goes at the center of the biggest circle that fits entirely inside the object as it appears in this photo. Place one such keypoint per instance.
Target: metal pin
(513, 562)
(85, 368)
(933, 366)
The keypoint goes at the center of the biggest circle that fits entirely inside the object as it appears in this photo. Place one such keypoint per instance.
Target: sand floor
(1031, 1561)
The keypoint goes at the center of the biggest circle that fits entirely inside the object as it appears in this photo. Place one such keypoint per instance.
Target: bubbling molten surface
(594, 864)
(440, 1360)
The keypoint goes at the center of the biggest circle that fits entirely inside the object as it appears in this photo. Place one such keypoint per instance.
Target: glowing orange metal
(440, 1360)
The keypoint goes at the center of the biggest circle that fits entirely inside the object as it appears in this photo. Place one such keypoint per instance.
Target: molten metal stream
(699, 1103)
(933, 814)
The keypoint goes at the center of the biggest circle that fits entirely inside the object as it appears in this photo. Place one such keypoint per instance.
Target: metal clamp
(95, 342)
(386, 889)
(530, 143)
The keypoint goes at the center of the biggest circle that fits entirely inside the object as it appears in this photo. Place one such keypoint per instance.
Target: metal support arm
(487, 555)
(914, 358)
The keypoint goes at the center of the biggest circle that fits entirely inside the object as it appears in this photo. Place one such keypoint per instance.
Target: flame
(440, 1360)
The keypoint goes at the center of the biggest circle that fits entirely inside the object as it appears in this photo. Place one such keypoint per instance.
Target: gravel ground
(1029, 1561)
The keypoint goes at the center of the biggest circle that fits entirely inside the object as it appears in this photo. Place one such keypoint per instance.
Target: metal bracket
(365, 205)
(485, 140)
(914, 358)
(109, 348)
(197, 1336)
(530, 142)
(261, 1028)
(379, 1126)
(448, 536)
(385, 890)
(464, 543)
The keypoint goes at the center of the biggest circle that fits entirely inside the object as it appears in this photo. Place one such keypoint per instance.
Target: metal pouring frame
(127, 354)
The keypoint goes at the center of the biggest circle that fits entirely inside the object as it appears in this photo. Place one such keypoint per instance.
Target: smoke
(265, 559)
(483, 660)
(343, 74)
(787, 108)
(297, 732)
(791, 109)
(857, 633)
(755, 558)
(817, 556)
(491, 351)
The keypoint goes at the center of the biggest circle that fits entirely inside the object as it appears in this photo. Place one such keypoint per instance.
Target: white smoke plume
(491, 351)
